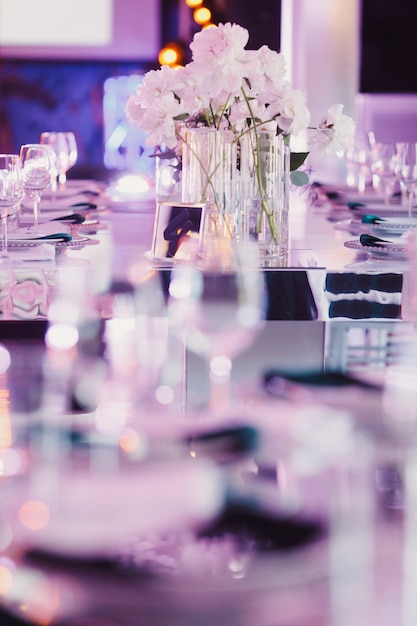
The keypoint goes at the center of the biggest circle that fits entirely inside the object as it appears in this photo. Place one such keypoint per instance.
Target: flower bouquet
(241, 94)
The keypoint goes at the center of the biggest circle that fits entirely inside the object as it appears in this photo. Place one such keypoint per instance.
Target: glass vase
(264, 194)
(210, 175)
(167, 178)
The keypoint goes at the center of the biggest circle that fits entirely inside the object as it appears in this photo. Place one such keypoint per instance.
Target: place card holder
(178, 229)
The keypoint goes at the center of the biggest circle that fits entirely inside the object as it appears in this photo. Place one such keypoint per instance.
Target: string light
(171, 54)
(202, 15)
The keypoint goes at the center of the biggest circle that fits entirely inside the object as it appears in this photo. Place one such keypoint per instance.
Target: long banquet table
(294, 504)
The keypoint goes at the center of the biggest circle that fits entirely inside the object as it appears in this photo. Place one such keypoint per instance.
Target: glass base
(272, 255)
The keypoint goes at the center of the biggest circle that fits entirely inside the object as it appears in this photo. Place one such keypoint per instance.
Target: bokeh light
(34, 514)
(202, 15)
(5, 359)
(61, 336)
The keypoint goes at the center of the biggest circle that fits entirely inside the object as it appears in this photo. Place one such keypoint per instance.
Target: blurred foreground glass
(11, 191)
(407, 171)
(384, 168)
(219, 306)
(64, 146)
(38, 166)
(358, 159)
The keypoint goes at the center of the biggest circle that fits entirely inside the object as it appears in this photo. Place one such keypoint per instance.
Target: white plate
(376, 265)
(389, 250)
(392, 226)
(78, 241)
(382, 210)
(46, 228)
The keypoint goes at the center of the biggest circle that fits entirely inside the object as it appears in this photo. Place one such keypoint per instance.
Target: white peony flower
(294, 114)
(220, 54)
(230, 88)
(240, 114)
(159, 121)
(273, 66)
(335, 130)
(220, 46)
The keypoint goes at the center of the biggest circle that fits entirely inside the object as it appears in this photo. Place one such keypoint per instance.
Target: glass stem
(36, 215)
(54, 187)
(62, 178)
(410, 201)
(4, 252)
(219, 390)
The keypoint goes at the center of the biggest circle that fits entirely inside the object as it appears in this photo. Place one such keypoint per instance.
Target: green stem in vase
(260, 177)
(208, 183)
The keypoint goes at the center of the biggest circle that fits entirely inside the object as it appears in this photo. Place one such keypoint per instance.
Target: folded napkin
(267, 531)
(369, 218)
(372, 241)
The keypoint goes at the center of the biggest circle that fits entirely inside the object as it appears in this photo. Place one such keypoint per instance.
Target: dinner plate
(388, 250)
(89, 226)
(46, 228)
(78, 241)
(382, 210)
(390, 226)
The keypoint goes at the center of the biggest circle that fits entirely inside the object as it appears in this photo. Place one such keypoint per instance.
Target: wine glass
(407, 171)
(73, 153)
(38, 166)
(11, 191)
(358, 158)
(64, 146)
(220, 308)
(384, 167)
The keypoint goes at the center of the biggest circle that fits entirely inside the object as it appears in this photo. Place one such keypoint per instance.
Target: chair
(364, 345)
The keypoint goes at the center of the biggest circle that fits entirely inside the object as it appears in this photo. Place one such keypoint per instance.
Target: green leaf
(181, 117)
(297, 159)
(299, 178)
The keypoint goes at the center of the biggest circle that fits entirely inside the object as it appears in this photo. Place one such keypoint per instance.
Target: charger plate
(390, 226)
(389, 250)
(78, 241)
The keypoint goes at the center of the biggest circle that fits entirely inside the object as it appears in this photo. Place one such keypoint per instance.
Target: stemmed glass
(384, 168)
(220, 309)
(38, 166)
(64, 146)
(358, 158)
(11, 191)
(407, 171)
